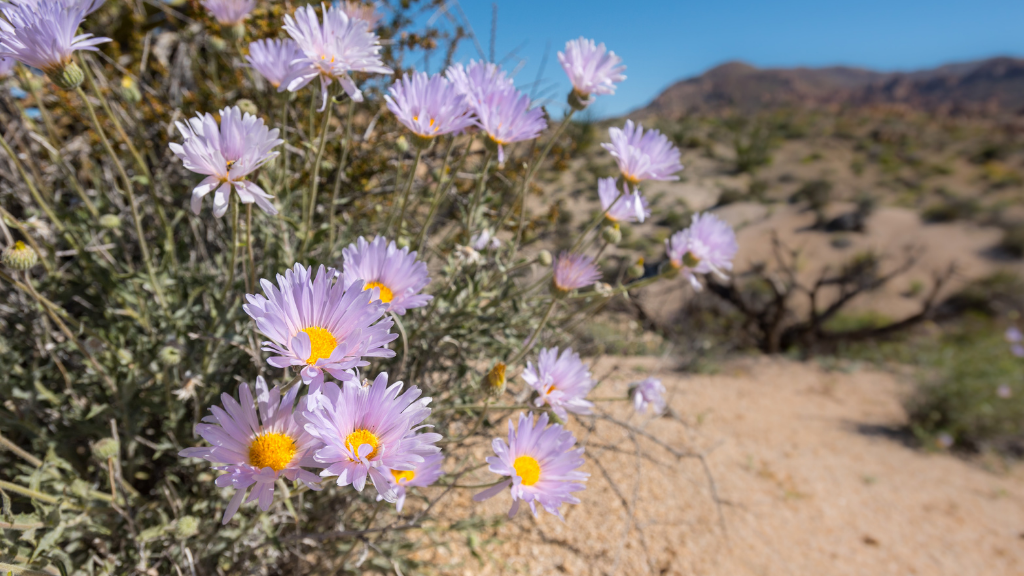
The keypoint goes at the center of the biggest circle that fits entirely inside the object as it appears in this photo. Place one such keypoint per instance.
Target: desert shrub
(1012, 241)
(951, 208)
(816, 193)
(128, 315)
(971, 394)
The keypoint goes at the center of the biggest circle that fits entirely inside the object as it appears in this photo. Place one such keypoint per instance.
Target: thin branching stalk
(129, 189)
(533, 337)
(234, 247)
(346, 145)
(408, 188)
(315, 184)
(43, 204)
(248, 244)
(442, 187)
(481, 184)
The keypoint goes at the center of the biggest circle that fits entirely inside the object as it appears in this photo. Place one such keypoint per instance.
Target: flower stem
(346, 144)
(129, 189)
(521, 199)
(405, 345)
(408, 188)
(43, 204)
(234, 247)
(442, 186)
(308, 227)
(530, 342)
(471, 216)
(248, 244)
(117, 123)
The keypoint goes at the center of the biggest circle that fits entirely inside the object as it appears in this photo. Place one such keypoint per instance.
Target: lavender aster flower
(227, 154)
(483, 240)
(44, 36)
(428, 105)
(424, 474)
(274, 59)
(331, 50)
(359, 11)
(541, 465)
(7, 66)
(621, 208)
(707, 246)
(591, 68)
(506, 117)
(256, 451)
(370, 430)
(561, 381)
(318, 324)
(477, 80)
(643, 156)
(229, 12)
(648, 396)
(89, 6)
(574, 271)
(395, 275)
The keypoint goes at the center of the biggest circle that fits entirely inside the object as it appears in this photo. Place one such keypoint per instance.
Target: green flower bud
(20, 257)
(611, 234)
(186, 527)
(246, 105)
(125, 356)
(636, 270)
(544, 258)
(68, 76)
(217, 44)
(110, 221)
(402, 144)
(106, 448)
(169, 356)
(130, 90)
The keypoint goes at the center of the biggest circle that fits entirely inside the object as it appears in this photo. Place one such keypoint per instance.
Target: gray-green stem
(345, 146)
(533, 337)
(481, 185)
(442, 187)
(234, 246)
(308, 228)
(408, 189)
(129, 189)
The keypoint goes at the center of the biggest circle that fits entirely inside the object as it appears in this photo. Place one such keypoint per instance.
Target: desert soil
(812, 474)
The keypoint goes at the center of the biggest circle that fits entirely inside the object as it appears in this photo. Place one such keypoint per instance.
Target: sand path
(812, 479)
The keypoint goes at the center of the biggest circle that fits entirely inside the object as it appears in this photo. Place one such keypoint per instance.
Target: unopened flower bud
(603, 288)
(106, 448)
(611, 234)
(20, 257)
(217, 44)
(402, 144)
(125, 356)
(110, 221)
(169, 356)
(494, 382)
(130, 90)
(246, 105)
(637, 270)
(186, 527)
(68, 76)
(544, 258)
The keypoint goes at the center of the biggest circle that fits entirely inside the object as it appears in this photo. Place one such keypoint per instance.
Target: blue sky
(662, 41)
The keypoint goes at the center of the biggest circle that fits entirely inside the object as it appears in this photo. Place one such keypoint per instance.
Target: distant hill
(984, 87)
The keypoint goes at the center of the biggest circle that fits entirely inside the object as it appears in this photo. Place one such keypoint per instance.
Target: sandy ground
(812, 478)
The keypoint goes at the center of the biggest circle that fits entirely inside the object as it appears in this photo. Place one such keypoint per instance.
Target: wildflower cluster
(381, 325)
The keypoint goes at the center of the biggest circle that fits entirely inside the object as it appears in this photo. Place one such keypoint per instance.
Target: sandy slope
(813, 481)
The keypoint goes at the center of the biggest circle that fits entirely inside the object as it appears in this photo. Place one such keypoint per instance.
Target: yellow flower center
(19, 245)
(359, 437)
(386, 295)
(321, 342)
(406, 475)
(272, 449)
(528, 469)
